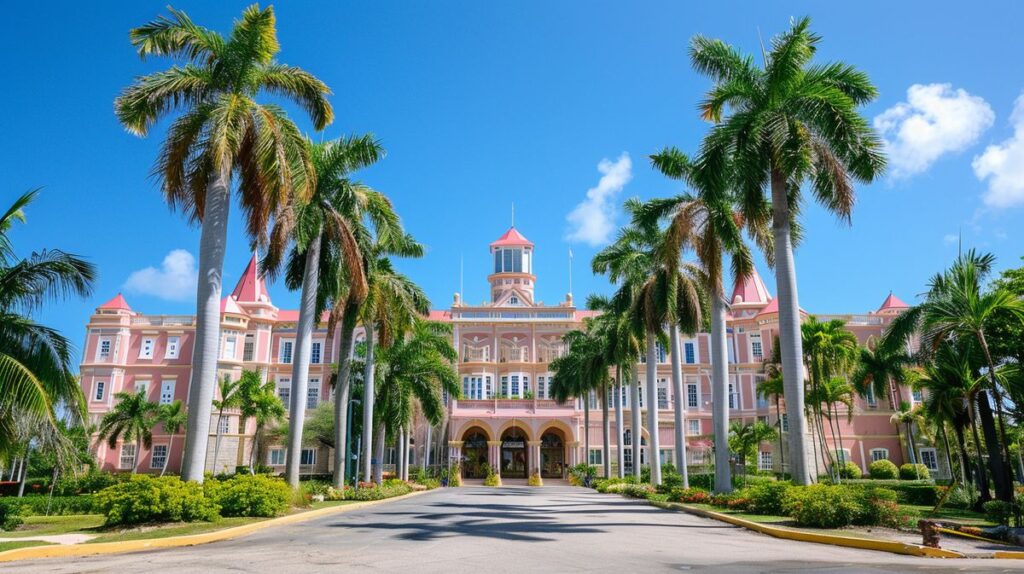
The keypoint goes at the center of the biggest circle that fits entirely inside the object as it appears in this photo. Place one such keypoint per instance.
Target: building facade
(505, 417)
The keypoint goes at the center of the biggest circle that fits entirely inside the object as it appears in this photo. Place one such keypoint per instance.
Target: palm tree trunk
(426, 449)
(138, 455)
(1004, 489)
(24, 472)
(300, 367)
(997, 397)
(620, 451)
(341, 395)
(368, 396)
(216, 443)
(586, 428)
(965, 464)
(678, 406)
(400, 451)
(635, 430)
(170, 447)
(982, 479)
(720, 395)
(782, 449)
(378, 467)
(605, 432)
(949, 455)
(789, 329)
(910, 444)
(652, 408)
(212, 244)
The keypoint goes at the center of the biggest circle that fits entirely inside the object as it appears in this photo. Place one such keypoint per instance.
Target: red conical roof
(750, 289)
(117, 302)
(512, 237)
(251, 287)
(893, 302)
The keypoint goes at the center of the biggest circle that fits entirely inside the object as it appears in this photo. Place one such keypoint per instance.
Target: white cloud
(935, 120)
(592, 221)
(950, 238)
(175, 280)
(1003, 165)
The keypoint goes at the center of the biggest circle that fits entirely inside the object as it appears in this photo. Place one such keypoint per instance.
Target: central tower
(512, 281)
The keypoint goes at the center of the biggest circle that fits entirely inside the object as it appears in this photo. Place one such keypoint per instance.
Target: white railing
(164, 320)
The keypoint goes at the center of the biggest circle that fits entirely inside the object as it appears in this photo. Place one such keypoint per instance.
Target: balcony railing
(471, 355)
(164, 320)
(529, 405)
(515, 355)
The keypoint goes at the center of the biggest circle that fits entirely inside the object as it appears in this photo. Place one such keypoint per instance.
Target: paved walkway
(511, 529)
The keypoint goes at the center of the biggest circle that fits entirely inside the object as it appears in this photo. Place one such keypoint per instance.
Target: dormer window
(513, 300)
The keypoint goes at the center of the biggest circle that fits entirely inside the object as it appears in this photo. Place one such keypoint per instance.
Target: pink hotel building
(505, 417)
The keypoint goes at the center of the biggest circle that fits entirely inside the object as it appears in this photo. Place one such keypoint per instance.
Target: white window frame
(734, 404)
(764, 460)
(934, 454)
(167, 391)
(99, 391)
(154, 457)
(102, 355)
(291, 351)
(692, 343)
(784, 423)
(843, 455)
(663, 403)
(142, 385)
(879, 454)
(224, 424)
(121, 458)
(230, 347)
(249, 347)
(285, 384)
(147, 347)
(173, 349)
(693, 399)
(312, 394)
(311, 458)
(870, 398)
(275, 453)
(595, 456)
(316, 352)
(752, 338)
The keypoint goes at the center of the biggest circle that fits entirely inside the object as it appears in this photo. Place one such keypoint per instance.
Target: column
(455, 455)
(574, 452)
(533, 451)
(494, 455)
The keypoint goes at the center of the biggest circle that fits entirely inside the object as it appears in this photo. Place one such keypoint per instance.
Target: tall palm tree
(883, 369)
(958, 306)
(324, 219)
(173, 418)
(229, 399)
(783, 125)
(772, 386)
(908, 416)
(37, 381)
(415, 370)
(829, 350)
(131, 419)
(831, 393)
(221, 130)
(580, 371)
(258, 401)
(711, 226)
(392, 305)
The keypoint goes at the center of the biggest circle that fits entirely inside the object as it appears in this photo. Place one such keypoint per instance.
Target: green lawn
(172, 529)
(45, 525)
(953, 514)
(21, 544)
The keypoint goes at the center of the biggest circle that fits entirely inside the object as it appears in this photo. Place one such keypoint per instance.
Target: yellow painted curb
(1009, 554)
(86, 549)
(819, 538)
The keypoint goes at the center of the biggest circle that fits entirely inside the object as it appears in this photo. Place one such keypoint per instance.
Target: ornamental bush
(768, 498)
(689, 495)
(250, 495)
(883, 469)
(878, 507)
(822, 506)
(913, 472)
(637, 490)
(10, 513)
(998, 511)
(90, 482)
(145, 498)
(849, 470)
(371, 491)
(42, 505)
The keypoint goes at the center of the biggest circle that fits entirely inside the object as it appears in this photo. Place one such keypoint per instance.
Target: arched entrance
(513, 453)
(474, 453)
(552, 454)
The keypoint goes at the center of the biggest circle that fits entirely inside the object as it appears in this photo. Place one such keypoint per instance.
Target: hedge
(42, 505)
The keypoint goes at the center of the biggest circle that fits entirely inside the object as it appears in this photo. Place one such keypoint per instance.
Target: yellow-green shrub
(145, 498)
(250, 495)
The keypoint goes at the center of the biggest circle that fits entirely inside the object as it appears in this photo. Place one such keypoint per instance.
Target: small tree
(744, 438)
(173, 417)
(131, 419)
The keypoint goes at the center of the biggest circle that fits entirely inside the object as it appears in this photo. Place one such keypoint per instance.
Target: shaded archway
(474, 453)
(513, 453)
(552, 454)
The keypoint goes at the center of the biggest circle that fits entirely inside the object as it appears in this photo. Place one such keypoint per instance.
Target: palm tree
(829, 350)
(220, 131)
(258, 401)
(957, 306)
(415, 370)
(229, 399)
(709, 225)
(744, 437)
(173, 417)
(580, 371)
(781, 126)
(131, 419)
(831, 393)
(882, 369)
(37, 380)
(908, 416)
(322, 220)
(772, 386)
(392, 305)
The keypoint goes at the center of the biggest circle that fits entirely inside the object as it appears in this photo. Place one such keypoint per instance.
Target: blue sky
(483, 104)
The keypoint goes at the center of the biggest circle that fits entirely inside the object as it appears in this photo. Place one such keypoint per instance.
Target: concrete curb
(819, 538)
(1008, 554)
(85, 549)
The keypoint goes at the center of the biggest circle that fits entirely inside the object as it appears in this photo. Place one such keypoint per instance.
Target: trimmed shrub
(822, 506)
(144, 498)
(914, 472)
(535, 480)
(10, 513)
(849, 470)
(389, 489)
(768, 498)
(689, 495)
(251, 495)
(42, 505)
(90, 482)
(878, 507)
(637, 490)
(884, 470)
(998, 511)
